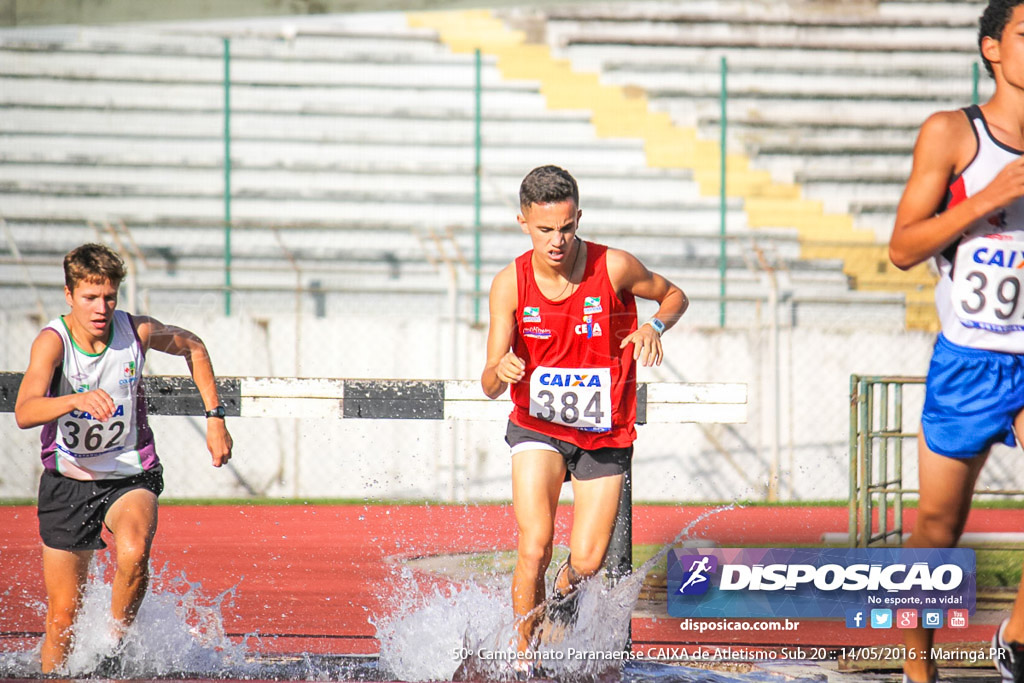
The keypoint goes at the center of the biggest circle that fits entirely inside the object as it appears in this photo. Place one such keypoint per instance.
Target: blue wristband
(658, 326)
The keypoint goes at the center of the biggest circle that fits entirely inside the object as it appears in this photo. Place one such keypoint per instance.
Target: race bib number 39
(988, 285)
(574, 397)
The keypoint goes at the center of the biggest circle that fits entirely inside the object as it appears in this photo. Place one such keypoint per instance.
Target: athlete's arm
(503, 367)
(944, 147)
(180, 342)
(628, 274)
(33, 407)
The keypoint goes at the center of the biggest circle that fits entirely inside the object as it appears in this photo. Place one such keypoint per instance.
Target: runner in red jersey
(563, 333)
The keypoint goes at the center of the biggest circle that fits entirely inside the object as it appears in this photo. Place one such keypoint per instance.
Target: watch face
(216, 412)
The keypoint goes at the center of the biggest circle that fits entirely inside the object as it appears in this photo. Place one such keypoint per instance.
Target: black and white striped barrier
(388, 399)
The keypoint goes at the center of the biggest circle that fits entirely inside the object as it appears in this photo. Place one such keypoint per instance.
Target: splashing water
(179, 634)
(423, 638)
(177, 630)
(427, 637)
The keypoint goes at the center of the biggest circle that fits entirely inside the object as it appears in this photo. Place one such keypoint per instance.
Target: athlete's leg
(132, 520)
(947, 486)
(537, 477)
(64, 574)
(595, 504)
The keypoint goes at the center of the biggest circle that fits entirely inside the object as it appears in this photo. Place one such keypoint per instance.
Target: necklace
(572, 269)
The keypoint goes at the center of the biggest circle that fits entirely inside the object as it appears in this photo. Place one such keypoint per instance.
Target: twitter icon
(881, 618)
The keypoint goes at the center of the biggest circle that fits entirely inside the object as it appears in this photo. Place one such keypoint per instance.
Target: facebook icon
(856, 618)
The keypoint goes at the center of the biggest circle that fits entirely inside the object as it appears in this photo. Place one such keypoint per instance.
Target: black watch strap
(216, 412)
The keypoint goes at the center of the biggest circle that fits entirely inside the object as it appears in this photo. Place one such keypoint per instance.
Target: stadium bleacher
(352, 144)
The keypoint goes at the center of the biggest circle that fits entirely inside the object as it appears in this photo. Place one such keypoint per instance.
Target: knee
(133, 558)
(534, 557)
(60, 617)
(935, 530)
(587, 564)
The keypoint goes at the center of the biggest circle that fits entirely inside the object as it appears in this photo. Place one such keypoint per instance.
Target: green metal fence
(877, 439)
(876, 458)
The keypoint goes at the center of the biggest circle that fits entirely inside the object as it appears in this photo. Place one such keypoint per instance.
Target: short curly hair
(92, 263)
(993, 22)
(548, 185)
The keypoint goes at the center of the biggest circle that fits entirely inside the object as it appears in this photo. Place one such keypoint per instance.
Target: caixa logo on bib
(792, 582)
(568, 379)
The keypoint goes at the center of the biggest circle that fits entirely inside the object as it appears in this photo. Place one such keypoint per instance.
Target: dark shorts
(579, 463)
(71, 512)
(971, 399)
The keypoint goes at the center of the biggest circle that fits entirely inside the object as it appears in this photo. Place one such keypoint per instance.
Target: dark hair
(992, 23)
(548, 185)
(94, 263)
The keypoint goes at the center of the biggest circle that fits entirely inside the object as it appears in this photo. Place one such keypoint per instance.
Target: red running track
(315, 574)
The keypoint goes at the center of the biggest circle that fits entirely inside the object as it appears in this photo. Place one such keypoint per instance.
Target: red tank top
(579, 385)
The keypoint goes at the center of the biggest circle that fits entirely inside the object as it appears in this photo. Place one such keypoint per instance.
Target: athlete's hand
(646, 345)
(1007, 186)
(96, 402)
(218, 441)
(511, 368)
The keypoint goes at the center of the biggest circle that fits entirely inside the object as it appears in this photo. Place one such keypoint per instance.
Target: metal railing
(876, 458)
(877, 438)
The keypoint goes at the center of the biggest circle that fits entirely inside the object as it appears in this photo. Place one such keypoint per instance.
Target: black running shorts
(71, 512)
(580, 463)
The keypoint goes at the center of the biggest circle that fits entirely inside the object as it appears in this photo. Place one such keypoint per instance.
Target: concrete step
(342, 127)
(607, 55)
(279, 71)
(209, 152)
(729, 34)
(645, 188)
(435, 211)
(792, 15)
(40, 91)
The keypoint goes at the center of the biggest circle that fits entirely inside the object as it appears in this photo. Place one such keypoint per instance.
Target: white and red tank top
(79, 446)
(980, 293)
(579, 385)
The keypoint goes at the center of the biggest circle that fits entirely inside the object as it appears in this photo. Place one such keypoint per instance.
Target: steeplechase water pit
(340, 592)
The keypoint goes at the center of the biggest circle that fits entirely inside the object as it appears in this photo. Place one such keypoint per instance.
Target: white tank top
(79, 446)
(980, 294)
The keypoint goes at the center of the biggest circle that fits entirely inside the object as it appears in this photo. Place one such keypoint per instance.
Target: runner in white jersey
(83, 386)
(79, 445)
(964, 206)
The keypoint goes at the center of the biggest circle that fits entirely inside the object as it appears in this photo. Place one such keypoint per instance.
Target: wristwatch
(658, 326)
(217, 412)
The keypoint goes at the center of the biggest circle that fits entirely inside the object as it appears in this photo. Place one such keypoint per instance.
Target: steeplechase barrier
(392, 399)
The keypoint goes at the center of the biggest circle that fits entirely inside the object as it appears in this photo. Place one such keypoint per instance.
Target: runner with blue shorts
(964, 206)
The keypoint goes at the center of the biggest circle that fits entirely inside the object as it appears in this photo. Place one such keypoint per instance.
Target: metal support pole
(883, 462)
(898, 463)
(477, 200)
(855, 399)
(618, 561)
(864, 465)
(723, 96)
(227, 176)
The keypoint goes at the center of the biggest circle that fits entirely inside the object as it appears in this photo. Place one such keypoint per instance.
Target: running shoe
(1009, 659)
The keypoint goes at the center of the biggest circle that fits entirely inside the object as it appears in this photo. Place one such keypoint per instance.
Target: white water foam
(422, 638)
(178, 629)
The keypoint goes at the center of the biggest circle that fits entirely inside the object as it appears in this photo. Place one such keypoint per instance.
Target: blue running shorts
(971, 398)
